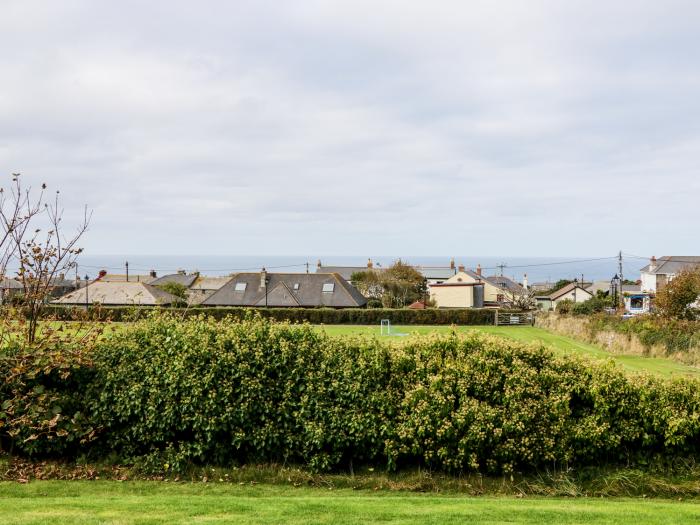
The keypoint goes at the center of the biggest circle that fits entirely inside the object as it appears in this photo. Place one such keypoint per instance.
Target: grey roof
(118, 294)
(436, 272)
(209, 283)
(11, 284)
(185, 280)
(121, 277)
(673, 264)
(631, 288)
(344, 271)
(281, 291)
(503, 282)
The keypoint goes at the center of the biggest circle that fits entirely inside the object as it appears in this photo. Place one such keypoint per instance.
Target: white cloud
(360, 127)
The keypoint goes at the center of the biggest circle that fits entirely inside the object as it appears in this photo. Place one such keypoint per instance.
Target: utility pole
(87, 301)
(501, 266)
(127, 271)
(619, 269)
(307, 266)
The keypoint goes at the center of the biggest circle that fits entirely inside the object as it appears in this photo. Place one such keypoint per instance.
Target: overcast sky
(496, 127)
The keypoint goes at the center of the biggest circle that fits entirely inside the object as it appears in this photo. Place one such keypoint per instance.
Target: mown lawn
(531, 334)
(80, 502)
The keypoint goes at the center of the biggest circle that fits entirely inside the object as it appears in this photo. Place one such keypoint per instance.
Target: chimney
(525, 281)
(182, 272)
(652, 263)
(153, 274)
(478, 269)
(460, 268)
(263, 278)
(61, 276)
(102, 274)
(318, 264)
(452, 263)
(370, 264)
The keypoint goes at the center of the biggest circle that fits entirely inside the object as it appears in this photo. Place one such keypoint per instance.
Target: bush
(169, 392)
(405, 316)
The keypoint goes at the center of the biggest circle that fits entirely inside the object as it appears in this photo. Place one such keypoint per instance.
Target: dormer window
(328, 287)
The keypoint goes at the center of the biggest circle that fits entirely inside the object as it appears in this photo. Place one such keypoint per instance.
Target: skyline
(360, 127)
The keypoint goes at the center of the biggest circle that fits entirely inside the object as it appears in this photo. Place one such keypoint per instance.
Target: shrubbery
(429, 316)
(168, 392)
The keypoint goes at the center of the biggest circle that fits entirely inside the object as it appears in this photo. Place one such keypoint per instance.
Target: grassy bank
(531, 334)
(151, 502)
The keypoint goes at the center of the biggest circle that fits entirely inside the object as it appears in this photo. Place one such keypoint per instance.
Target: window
(296, 286)
(240, 287)
(636, 303)
(328, 287)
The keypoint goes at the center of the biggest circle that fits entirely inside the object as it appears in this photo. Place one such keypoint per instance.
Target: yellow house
(462, 290)
(469, 289)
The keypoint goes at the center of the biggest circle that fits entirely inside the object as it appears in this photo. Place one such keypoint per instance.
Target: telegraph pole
(127, 271)
(619, 272)
(501, 266)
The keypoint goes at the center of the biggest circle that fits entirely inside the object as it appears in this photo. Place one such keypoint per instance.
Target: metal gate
(514, 318)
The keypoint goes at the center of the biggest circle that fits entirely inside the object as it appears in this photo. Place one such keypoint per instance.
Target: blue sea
(537, 268)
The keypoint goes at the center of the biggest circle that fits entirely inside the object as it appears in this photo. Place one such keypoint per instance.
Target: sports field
(88, 502)
(529, 334)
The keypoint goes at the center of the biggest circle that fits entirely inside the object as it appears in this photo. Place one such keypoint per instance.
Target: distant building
(573, 291)
(117, 294)
(431, 274)
(204, 287)
(659, 272)
(306, 290)
(465, 289)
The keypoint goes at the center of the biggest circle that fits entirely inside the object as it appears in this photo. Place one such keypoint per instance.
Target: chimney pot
(263, 278)
(370, 264)
(460, 268)
(478, 269)
(318, 264)
(452, 263)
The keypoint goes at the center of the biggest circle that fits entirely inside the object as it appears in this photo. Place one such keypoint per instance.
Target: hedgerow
(168, 393)
(405, 316)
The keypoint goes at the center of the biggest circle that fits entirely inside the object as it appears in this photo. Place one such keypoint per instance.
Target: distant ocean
(536, 268)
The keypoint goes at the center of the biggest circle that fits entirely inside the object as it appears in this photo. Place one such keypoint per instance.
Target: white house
(573, 291)
(660, 271)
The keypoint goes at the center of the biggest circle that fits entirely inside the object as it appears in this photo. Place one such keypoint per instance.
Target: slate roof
(209, 283)
(436, 272)
(11, 284)
(118, 294)
(185, 280)
(287, 289)
(566, 289)
(673, 264)
(504, 283)
(344, 271)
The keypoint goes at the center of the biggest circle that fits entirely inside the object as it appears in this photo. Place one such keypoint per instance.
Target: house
(204, 287)
(346, 271)
(572, 291)
(499, 290)
(431, 274)
(465, 289)
(180, 277)
(10, 288)
(306, 290)
(636, 301)
(660, 271)
(117, 294)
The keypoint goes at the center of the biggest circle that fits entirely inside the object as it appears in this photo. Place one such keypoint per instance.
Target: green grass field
(531, 334)
(88, 502)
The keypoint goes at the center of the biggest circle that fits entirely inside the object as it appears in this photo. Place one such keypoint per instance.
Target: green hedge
(168, 392)
(405, 316)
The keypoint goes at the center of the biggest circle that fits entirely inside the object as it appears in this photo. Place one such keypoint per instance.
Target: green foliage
(397, 286)
(170, 392)
(565, 306)
(177, 289)
(594, 305)
(363, 316)
(678, 298)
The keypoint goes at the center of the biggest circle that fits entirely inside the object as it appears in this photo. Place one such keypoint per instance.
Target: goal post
(385, 325)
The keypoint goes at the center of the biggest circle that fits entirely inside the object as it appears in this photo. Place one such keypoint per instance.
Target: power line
(229, 270)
